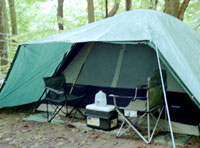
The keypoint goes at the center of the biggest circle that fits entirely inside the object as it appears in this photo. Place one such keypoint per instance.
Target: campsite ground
(17, 133)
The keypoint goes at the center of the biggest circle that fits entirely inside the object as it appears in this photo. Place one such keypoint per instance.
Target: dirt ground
(17, 133)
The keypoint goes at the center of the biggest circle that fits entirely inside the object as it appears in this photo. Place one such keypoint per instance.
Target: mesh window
(138, 63)
(100, 66)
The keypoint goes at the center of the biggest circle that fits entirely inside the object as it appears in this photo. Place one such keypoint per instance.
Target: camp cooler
(101, 117)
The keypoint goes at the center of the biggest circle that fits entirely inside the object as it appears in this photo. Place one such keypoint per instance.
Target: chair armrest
(59, 92)
(83, 88)
(127, 97)
(117, 96)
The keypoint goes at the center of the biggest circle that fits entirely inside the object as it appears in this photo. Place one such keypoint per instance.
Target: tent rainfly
(126, 48)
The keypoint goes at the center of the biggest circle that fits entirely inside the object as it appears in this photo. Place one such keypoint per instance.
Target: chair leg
(118, 133)
(74, 115)
(47, 112)
(154, 118)
(120, 128)
(70, 112)
(131, 125)
(148, 126)
(156, 124)
(150, 135)
(76, 109)
(80, 112)
(55, 113)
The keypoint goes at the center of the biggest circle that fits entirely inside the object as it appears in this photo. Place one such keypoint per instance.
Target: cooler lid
(106, 108)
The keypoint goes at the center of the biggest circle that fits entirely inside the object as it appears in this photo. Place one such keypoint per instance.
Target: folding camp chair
(57, 96)
(146, 105)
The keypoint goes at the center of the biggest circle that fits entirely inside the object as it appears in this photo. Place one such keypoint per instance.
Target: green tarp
(178, 46)
(32, 62)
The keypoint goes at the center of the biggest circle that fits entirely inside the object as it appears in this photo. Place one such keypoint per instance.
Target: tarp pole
(165, 98)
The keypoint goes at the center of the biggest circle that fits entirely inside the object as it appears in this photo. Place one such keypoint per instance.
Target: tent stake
(165, 98)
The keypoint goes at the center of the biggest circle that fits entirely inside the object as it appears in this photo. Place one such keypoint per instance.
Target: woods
(3, 33)
(13, 16)
(22, 21)
(176, 8)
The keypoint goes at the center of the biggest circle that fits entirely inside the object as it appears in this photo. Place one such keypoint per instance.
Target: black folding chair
(57, 96)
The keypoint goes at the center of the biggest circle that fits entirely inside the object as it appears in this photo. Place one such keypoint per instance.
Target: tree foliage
(37, 18)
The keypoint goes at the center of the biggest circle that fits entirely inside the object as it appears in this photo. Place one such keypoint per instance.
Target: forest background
(25, 20)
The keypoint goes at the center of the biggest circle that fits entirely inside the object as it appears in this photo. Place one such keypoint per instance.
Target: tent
(105, 54)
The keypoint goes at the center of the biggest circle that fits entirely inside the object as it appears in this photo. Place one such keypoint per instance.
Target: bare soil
(17, 133)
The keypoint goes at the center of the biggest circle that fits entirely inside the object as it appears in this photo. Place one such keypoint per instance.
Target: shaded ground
(17, 133)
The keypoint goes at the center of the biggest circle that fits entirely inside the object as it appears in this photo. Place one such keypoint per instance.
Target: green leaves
(38, 18)
(192, 15)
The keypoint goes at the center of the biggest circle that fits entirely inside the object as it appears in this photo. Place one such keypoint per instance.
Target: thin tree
(115, 8)
(13, 16)
(3, 32)
(106, 5)
(176, 8)
(128, 5)
(60, 14)
(153, 4)
(90, 11)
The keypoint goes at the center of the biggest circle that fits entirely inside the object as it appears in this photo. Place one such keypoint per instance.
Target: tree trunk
(60, 14)
(128, 5)
(13, 16)
(175, 8)
(183, 8)
(90, 11)
(114, 9)
(106, 3)
(155, 5)
(3, 32)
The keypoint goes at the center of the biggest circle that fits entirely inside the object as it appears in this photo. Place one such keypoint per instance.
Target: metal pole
(165, 98)
(148, 117)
